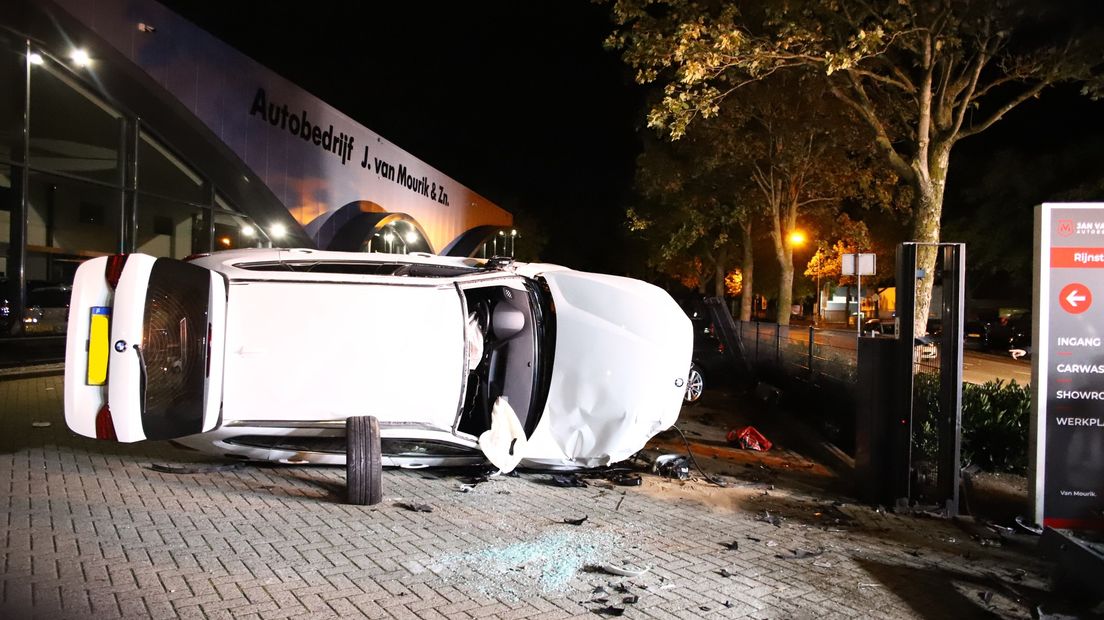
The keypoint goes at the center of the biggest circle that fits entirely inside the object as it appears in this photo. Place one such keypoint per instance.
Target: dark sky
(518, 100)
(515, 99)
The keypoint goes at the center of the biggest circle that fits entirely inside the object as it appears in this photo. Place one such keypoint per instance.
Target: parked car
(373, 359)
(709, 362)
(47, 310)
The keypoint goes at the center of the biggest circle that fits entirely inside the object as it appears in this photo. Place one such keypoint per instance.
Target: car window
(174, 347)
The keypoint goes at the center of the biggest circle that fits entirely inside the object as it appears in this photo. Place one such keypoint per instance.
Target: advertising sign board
(1068, 366)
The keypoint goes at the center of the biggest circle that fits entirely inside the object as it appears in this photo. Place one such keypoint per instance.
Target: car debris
(1032, 528)
(731, 546)
(610, 611)
(766, 517)
(40, 424)
(626, 480)
(569, 480)
(630, 599)
(576, 521)
(724, 572)
(800, 554)
(673, 466)
(415, 507)
(195, 469)
(620, 571)
(748, 438)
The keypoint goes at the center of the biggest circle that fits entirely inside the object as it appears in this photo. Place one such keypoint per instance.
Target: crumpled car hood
(623, 352)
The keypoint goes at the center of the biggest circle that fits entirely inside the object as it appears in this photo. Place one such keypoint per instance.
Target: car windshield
(174, 347)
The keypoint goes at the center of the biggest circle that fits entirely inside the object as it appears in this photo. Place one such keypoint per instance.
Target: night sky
(520, 102)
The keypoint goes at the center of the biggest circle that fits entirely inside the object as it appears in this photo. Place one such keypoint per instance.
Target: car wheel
(695, 385)
(363, 469)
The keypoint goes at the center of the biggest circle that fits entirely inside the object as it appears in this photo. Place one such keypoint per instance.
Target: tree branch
(996, 116)
(865, 109)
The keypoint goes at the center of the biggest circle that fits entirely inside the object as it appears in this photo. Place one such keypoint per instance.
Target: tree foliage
(921, 75)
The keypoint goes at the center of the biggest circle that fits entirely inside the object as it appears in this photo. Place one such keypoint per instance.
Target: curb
(30, 372)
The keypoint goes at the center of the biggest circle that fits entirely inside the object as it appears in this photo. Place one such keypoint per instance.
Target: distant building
(125, 128)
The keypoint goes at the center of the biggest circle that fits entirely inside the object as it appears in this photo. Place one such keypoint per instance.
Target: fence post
(777, 345)
(812, 337)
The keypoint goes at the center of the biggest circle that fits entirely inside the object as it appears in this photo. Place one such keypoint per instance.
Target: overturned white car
(373, 359)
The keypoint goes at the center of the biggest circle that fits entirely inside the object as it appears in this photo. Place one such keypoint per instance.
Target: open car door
(144, 352)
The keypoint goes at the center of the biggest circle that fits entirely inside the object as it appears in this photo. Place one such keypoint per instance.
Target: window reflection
(72, 131)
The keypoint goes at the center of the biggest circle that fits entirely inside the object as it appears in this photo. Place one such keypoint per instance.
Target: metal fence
(800, 352)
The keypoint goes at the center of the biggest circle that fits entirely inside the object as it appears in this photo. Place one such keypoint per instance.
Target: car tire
(695, 387)
(363, 468)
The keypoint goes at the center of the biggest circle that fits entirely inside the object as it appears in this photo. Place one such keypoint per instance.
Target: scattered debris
(40, 424)
(704, 608)
(1018, 574)
(754, 539)
(870, 585)
(767, 517)
(673, 466)
(620, 571)
(548, 563)
(626, 480)
(728, 604)
(985, 596)
(822, 564)
(414, 507)
(568, 480)
(630, 599)
(618, 506)
(610, 611)
(772, 543)
(1033, 528)
(195, 469)
(576, 521)
(732, 546)
(749, 439)
(800, 554)
(725, 573)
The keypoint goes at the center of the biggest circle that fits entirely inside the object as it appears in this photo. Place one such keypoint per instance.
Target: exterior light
(411, 237)
(247, 231)
(797, 238)
(225, 241)
(513, 233)
(501, 233)
(278, 231)
(80, 57)
(35, 58)
(388, 237)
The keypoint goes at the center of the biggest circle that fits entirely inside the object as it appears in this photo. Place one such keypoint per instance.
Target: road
(979, 367)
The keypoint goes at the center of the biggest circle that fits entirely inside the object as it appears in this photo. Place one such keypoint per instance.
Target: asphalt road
(979, 367)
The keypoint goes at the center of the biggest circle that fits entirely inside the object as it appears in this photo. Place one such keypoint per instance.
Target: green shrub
(995, 423)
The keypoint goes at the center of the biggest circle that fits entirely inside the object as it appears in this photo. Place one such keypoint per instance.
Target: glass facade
(80, 177)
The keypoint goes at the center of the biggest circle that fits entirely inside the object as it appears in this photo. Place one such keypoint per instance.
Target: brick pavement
(91, 531)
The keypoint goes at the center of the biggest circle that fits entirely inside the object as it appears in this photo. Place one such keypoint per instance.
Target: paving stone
(90, 530)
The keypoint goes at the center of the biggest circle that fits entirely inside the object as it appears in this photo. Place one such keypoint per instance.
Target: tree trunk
(748, 271)
(928, 212)
(720, 270)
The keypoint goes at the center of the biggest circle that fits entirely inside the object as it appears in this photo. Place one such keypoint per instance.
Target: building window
(73, 132)
(68, 220)
(12, 75)
(163, 174)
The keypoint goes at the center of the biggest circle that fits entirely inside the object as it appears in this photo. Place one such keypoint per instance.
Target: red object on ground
(749, 439)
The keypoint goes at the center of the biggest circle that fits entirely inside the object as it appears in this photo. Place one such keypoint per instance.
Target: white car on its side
(373, 359)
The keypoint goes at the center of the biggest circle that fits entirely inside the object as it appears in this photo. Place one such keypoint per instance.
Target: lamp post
(797, 239)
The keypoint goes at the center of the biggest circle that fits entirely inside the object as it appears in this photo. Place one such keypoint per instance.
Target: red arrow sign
(1075, 298)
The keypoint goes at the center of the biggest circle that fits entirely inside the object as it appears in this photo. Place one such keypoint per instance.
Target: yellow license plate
(99, 332)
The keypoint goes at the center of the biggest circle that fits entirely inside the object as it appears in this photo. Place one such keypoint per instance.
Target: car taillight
(114, 269)
(105, 427)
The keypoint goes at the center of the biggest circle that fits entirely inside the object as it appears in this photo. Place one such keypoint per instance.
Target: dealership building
(125, 128)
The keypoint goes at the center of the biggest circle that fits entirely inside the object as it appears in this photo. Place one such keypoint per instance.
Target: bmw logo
(678, 382)
(120, 345)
